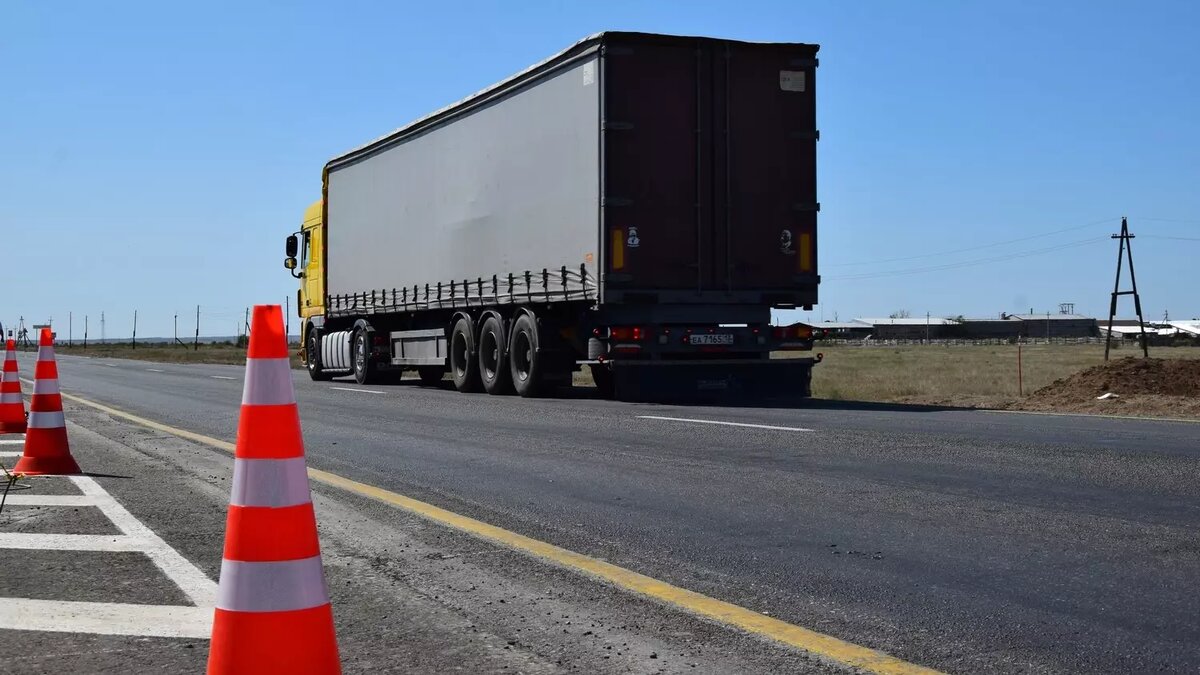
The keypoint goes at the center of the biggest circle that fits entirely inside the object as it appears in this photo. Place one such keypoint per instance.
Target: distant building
(1057, 325)
(991, 329)
(910, 328)
(843, 330)
(1185, 328)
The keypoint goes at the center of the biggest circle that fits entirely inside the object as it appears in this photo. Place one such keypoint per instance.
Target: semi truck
(636, 204)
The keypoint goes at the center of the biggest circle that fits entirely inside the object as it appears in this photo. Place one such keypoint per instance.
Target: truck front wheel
(312, 357)
(463, 365)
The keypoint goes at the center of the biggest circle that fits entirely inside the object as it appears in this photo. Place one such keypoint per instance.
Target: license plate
(711, 339)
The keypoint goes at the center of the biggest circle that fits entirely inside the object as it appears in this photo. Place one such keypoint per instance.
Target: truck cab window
(305, 254)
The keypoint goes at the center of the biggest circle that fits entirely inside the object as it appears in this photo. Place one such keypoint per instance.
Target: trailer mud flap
(727, 382)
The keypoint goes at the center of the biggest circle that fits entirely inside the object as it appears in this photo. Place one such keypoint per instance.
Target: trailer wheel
(464, 368)
(523, 358)
(312, 357)
(364, 369)
(431, 375)
(493, 360)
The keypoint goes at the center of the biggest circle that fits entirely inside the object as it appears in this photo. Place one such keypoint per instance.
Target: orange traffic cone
(12, 408)
(273, 613)
(46, 448)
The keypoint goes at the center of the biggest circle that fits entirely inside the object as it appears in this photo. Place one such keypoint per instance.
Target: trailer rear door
(709, 169)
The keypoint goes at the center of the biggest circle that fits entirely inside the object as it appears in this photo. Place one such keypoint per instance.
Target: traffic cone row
(273, 613)
(12, 406)
(46, 449)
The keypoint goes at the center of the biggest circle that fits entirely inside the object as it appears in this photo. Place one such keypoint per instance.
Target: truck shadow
(578, 393)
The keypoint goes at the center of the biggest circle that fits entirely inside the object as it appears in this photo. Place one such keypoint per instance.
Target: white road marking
(109, 618)
(222, 377)
(365, 391)
(154, 370)
(726, 424)
(106, 618)
(189, 578)
(68, 542)
(10, 453)
(11, 441)
(111, 365)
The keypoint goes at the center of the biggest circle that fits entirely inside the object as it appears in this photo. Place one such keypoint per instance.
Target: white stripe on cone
(45, 386)
(45, 353)
(11, 376)
(270, 482)
(12, 397)
(46, 420)
(268, 382)
(272, 586)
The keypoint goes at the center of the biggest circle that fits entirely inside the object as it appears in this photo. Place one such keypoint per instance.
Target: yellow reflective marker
(618, 249)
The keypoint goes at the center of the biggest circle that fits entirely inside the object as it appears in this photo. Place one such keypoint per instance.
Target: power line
(1172, 220)
(970, 263)
(979, 247)
(1159, 236)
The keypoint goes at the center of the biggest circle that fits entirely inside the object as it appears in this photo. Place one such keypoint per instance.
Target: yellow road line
(824, 647)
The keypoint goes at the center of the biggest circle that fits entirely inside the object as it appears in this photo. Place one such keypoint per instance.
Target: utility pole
(1047, 327)
(70, 329)
(926, 327)
(85, 324)
(197, 344)
(246, 323)
(1126, 243)
(135, 329)
(102, 327)
(287, 319)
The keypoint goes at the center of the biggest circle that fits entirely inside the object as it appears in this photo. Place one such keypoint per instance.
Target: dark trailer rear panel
(709, 176)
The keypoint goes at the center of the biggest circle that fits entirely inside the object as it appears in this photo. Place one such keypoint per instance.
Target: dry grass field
(165, 352)
(958, 375)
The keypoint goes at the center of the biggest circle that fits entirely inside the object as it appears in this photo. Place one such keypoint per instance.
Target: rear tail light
(627, 333)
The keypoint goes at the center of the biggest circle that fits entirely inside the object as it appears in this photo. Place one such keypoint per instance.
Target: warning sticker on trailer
(791, 80)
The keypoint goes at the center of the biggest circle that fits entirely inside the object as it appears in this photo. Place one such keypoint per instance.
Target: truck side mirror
(292, 246)
(289, 263)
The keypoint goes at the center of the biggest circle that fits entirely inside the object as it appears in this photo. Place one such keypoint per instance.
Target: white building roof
(1052, 316)
(1190, 327)
(910, 321)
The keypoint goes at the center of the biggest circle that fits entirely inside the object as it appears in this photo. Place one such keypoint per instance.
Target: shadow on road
(578, 393)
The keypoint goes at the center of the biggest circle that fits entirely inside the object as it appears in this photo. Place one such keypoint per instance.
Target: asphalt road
(965, 541)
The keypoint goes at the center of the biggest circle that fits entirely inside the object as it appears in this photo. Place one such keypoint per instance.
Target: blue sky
(154, 155)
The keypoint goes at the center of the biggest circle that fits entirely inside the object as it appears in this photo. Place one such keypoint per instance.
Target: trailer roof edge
(582, 47)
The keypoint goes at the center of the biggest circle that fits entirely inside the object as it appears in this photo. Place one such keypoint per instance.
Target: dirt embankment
(1154, 387)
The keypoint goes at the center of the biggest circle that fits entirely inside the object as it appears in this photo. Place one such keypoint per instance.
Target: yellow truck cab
(309, 268)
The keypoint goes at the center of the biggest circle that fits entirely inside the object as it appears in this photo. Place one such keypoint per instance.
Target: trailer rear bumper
(725, 381)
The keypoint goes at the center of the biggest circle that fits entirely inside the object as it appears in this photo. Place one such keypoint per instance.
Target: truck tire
(493, 358)
(312, 358)
(602, 375)
(464, 367)
(431, 376)
(360, 354)
(523, 358)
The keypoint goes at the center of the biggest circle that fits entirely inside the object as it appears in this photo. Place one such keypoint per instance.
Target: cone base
(59, 465)
(299, 642)
(12, 427)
